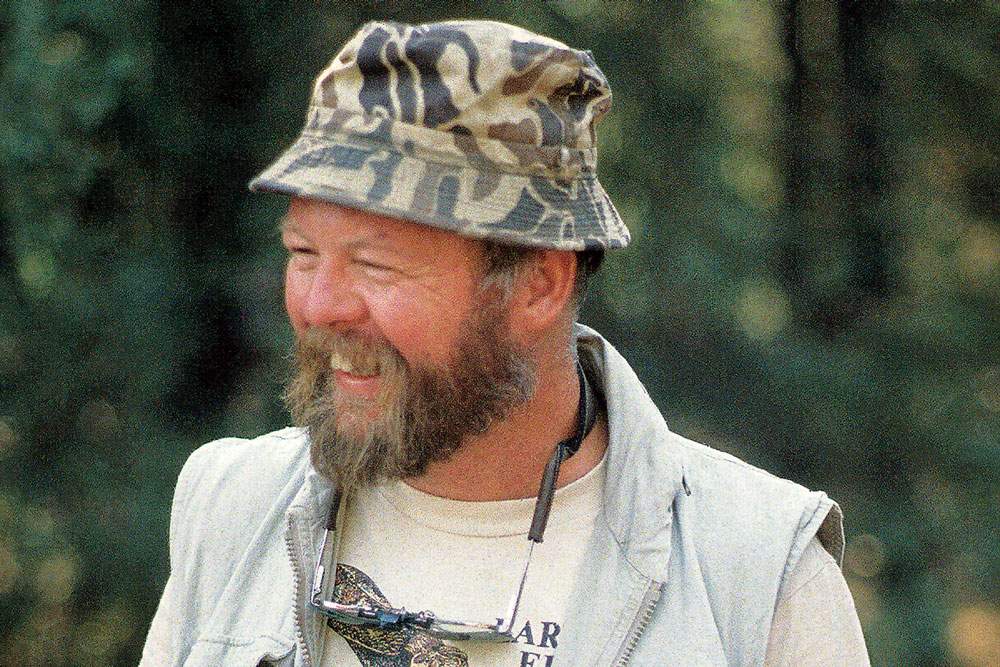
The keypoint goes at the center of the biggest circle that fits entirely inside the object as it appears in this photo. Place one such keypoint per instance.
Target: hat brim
(477, 201)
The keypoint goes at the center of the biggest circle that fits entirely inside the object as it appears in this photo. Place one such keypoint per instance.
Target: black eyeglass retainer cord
(586, 416)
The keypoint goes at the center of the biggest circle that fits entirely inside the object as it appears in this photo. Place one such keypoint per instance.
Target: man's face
(400, 354)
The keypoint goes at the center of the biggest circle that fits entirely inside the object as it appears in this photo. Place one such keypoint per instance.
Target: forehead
(324, 223)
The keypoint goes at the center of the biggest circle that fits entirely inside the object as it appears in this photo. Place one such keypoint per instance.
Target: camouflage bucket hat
(476, 127)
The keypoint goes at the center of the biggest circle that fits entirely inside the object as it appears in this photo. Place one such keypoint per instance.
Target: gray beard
(422, 414)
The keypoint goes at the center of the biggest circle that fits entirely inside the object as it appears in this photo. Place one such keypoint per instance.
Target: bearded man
(473, 478)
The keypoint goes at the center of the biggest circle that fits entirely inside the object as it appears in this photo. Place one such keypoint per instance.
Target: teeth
(364, 367)
(339, 363)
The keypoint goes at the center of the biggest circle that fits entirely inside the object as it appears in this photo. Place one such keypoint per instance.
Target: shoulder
(741, 499)
(251, 466)
(277, 448)
(230, 486)
(736, 512)
(729, 477)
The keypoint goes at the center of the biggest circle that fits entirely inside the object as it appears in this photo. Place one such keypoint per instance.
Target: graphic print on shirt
(378, 647)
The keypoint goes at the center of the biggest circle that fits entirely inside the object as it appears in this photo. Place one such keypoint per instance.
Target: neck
(507, 461)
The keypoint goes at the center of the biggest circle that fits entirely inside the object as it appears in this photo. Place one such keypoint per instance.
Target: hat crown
(479, 78)
(476, 127)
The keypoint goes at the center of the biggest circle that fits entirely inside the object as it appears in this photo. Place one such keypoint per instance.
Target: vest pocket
(260, 652)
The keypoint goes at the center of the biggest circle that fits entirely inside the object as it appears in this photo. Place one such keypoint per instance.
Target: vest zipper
(300, 594)
(639, 623)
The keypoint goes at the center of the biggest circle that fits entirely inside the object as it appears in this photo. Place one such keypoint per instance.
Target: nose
(323, 297)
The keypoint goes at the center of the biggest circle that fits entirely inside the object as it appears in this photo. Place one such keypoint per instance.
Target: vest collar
(645, 466)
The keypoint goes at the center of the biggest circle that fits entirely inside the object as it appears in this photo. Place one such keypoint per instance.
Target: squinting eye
(374, 265)
(378, 272)
(295, 249)
(300, 257)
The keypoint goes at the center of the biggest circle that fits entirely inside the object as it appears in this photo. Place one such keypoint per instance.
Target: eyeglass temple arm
(545, 494)
(323, 580)
(564, 450)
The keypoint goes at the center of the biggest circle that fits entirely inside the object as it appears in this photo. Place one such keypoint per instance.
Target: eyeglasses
(324, 577)
(324, 582)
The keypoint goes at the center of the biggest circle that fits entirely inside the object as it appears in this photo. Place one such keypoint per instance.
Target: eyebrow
(288, 225)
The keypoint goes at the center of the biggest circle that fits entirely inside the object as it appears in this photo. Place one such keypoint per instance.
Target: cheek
(423, 335)
(395, 320)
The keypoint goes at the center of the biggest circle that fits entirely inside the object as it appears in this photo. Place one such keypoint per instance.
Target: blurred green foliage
(814, 282)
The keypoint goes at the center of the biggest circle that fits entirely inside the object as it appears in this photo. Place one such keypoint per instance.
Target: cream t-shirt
(463, 561)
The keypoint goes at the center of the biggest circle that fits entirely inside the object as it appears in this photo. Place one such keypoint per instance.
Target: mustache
(349, 351)
(318, 353)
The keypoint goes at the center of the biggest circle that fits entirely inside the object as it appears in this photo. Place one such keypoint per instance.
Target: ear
(543, 291)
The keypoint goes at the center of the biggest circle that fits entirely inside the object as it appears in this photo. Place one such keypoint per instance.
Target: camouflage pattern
(477, 127)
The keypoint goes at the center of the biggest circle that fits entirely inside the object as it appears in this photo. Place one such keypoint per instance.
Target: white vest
(686, 565)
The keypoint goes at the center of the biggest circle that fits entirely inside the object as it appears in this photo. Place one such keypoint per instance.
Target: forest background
(813, 284)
